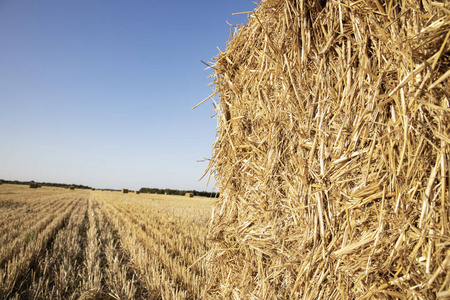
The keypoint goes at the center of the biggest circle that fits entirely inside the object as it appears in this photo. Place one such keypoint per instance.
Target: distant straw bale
(137, 192)
(190, 195)
(71, 187)
(33, 185)
(124, 191)
(333, 157)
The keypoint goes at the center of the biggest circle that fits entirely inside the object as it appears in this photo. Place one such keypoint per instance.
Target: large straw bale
(332, 156)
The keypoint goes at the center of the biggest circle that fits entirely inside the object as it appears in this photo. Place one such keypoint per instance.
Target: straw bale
(332, 156)
(33, 185)
(71, 187)
(190, 195)
(124, 191)
(137, 192)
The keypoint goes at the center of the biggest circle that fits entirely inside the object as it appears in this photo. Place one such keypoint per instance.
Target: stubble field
(80, 244)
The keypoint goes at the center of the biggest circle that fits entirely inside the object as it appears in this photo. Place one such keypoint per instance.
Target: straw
(332, 155)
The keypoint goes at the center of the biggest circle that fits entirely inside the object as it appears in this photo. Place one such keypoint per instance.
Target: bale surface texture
(332, 155)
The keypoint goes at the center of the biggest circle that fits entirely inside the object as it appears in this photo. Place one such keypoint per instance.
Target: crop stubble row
(61, 244)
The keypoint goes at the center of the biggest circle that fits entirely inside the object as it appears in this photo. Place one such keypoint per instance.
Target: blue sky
(99, 92)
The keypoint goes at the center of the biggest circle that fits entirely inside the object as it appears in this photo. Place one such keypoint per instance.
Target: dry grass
(84, 244)
(333, 155)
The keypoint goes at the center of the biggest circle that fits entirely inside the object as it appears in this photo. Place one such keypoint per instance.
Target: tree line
(179, 192)
(61, 185)
(142, 190)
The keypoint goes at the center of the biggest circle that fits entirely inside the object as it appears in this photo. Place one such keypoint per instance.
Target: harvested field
(63, 244)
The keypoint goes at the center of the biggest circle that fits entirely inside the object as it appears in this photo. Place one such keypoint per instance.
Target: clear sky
(99, 92)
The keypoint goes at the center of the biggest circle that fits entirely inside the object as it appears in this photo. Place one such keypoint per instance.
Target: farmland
(81, 244)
